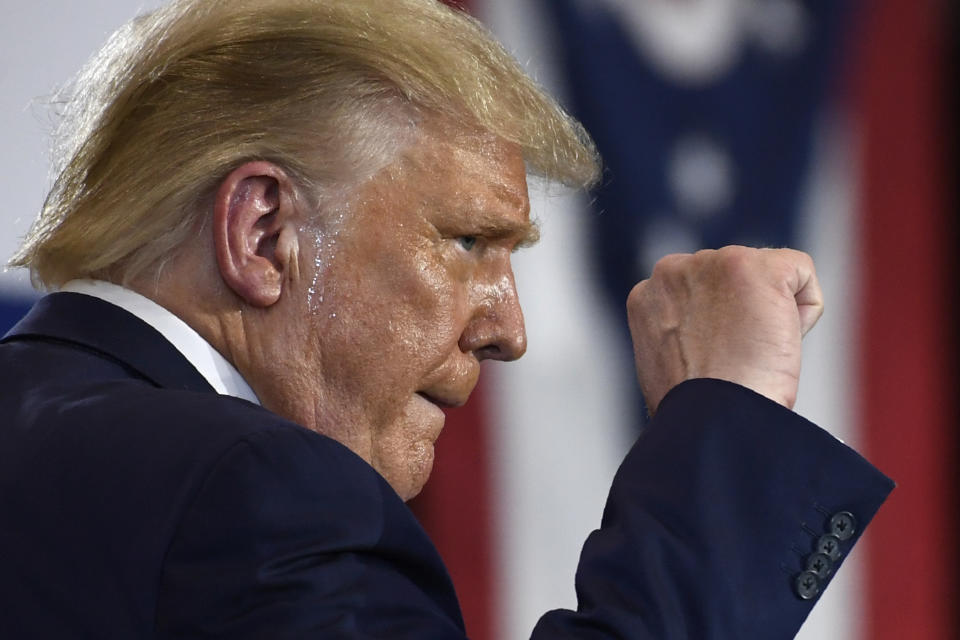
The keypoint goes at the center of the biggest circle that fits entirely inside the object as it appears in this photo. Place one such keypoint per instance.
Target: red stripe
(909, 385)
(455, 505)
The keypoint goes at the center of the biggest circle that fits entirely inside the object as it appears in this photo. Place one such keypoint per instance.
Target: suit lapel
(95, 324)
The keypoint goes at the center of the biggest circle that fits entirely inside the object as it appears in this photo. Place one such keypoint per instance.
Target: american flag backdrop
(817, 124)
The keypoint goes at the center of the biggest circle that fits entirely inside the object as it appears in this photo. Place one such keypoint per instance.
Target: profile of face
(402, 294)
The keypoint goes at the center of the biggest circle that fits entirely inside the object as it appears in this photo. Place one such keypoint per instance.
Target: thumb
(808, 295)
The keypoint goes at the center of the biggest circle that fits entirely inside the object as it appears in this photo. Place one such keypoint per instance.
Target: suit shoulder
(217, 428)
(130, 428)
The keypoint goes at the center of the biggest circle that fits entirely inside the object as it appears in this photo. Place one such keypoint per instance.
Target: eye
(467, 242)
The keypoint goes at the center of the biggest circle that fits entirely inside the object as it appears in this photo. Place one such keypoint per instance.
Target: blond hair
(178, 98)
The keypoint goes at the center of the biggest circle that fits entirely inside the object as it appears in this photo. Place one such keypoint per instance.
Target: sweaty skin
(420, 290)
(363, 319)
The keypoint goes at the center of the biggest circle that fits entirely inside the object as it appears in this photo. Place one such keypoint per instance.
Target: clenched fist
(736, 314)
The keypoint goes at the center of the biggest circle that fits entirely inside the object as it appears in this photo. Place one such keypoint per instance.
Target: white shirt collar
(221, 375)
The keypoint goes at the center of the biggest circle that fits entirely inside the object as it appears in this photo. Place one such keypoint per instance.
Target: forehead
(463, 172)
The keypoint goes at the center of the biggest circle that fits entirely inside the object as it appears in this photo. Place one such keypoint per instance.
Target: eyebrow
(527, 233)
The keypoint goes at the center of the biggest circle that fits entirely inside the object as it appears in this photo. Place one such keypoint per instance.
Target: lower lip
(429, 401)
(434, 408)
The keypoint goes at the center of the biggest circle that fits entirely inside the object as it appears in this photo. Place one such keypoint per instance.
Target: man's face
(408, 290)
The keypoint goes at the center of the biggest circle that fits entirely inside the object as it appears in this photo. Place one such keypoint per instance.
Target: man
(281, 239)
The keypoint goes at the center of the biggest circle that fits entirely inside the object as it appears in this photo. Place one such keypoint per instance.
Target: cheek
(425, 306)
(391, 329)
(393, 310)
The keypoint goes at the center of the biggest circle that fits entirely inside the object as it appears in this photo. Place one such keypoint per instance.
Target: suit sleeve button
(843, 525)
(829, 545)
(807, 585)
(819, 564)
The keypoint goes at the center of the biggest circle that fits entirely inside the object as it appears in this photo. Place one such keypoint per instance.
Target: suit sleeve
(725, 521)
(293, 536)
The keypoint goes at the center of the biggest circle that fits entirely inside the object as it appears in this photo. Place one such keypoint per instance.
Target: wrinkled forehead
(475, 163)
(441, 135)
(454, 176)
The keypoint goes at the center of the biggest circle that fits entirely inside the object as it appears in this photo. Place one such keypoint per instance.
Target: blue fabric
(11, 310)
(137, 503)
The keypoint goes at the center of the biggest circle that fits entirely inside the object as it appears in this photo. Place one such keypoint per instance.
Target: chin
(412, 473)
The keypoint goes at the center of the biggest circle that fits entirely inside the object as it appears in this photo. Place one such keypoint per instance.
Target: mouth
(442, 400)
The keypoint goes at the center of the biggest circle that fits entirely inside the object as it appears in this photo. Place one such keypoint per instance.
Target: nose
(496, 330)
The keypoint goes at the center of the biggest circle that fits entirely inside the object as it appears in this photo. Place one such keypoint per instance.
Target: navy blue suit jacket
(135, 502)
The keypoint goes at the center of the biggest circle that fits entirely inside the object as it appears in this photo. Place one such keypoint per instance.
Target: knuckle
(669, 265)
(736, 262)
(735, 251)
(792, 257)
(635, 297)
(798, 255)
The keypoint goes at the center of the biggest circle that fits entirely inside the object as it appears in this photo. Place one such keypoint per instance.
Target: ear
(255, 232)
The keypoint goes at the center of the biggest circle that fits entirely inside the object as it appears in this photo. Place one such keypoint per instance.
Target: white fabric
(221, 375)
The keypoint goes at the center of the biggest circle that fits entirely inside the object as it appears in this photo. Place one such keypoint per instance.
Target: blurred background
(819, 124)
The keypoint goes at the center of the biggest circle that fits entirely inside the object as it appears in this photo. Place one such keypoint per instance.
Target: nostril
(490, 352)
(505, 348)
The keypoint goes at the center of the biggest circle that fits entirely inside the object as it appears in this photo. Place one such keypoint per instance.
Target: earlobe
(253, 228)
